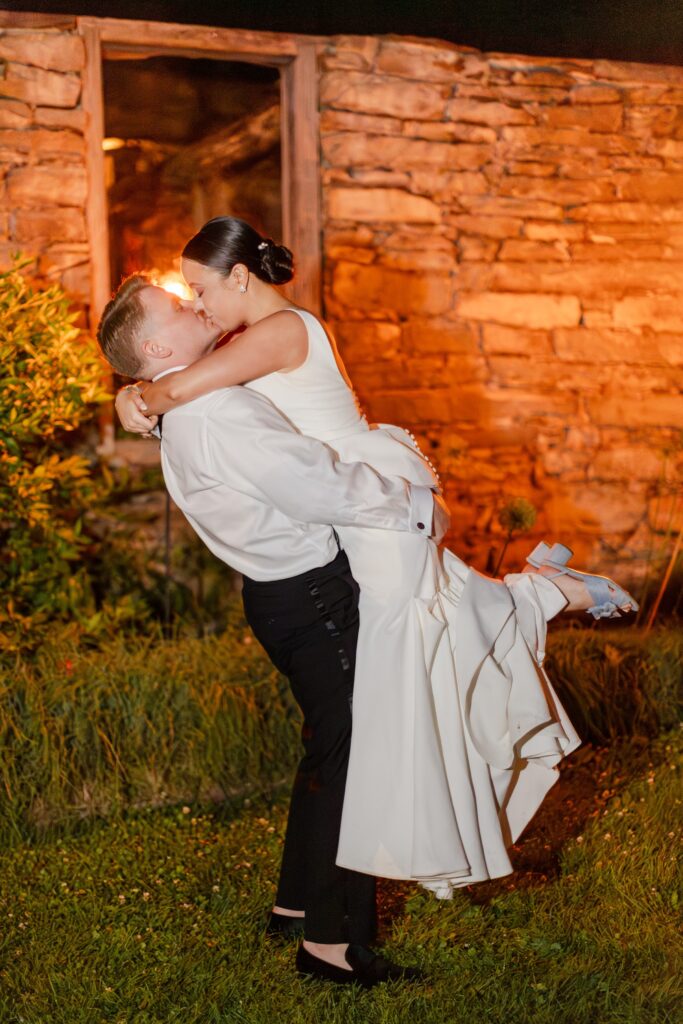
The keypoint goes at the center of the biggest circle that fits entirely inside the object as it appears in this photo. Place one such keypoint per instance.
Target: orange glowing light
(173, 282)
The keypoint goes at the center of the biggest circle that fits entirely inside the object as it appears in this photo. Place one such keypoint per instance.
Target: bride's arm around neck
(277, 343)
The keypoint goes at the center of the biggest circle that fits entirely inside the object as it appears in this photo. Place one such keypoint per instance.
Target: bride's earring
(243, 287)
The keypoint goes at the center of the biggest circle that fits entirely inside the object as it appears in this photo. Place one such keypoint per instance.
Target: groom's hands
(131, 410)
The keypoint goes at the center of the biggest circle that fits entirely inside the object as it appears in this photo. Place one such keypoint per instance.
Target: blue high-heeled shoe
(608, 596)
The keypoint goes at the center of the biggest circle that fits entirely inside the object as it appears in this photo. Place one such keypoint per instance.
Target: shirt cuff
(421, 509)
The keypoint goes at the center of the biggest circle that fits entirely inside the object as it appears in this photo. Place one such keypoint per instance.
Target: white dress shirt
(263, 497)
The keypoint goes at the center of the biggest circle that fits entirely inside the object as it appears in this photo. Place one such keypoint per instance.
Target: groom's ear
(155, 350)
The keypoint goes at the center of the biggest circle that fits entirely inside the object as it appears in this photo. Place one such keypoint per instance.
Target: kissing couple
(431, 731)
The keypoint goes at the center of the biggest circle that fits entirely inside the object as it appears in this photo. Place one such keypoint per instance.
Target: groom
(263, 498)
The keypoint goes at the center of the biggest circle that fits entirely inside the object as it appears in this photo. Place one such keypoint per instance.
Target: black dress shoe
(285, 927)
(367, 968)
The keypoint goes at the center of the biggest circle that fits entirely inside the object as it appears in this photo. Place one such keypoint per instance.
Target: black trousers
(308, 625)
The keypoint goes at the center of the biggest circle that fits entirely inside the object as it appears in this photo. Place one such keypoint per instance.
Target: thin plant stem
(665, 581)
(502, 553)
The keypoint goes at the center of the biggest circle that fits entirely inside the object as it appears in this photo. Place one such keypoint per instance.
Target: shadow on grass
(591, 778)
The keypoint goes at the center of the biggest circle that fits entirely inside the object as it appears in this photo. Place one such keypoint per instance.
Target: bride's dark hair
(224, 241)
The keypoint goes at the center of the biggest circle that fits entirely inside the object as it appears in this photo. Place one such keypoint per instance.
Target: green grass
(157, 917)
(138, 721)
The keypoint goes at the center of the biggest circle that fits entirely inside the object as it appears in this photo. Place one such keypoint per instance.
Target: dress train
(457, 730)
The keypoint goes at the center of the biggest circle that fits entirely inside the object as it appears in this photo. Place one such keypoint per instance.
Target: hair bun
(277, 261)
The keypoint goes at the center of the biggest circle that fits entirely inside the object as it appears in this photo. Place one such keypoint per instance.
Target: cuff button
(420, 526)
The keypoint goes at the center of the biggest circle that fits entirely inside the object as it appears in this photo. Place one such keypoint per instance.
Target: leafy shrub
(51, 382)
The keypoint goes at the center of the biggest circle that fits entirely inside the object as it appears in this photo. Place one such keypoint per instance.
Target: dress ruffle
(479, 746)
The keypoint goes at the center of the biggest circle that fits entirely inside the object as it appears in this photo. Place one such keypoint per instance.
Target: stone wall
(504, 272)
(503, 242)
(42, 150)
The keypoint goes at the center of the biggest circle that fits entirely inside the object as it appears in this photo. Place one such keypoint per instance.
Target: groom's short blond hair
(121, 326)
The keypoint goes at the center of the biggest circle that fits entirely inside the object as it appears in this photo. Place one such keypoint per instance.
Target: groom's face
(174, 334)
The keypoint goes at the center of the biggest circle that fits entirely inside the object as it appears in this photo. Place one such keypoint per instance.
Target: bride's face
(217, 296)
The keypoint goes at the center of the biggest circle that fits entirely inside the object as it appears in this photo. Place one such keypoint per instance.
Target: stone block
(359, 234)
(418, 236)
(380, 205)
(522, 371)
(471, 247)
(60, 117)
(607, 231)
(332, 121)
(570, 137)
(76, 281)
(637, 410)
(635, 162)
(531, 168)
(517, 341)
(36, 86)
(446, 131)
(592, 508)
(670, 148)
(653, 187)
(592, 117)
(425, 62)
(555, 78)
(545, 231)
(371, 94)
(622, 71)
(417, 260)
(658, 312)
(391, 374)
(14, 114)
(609, 346)
(376, 289)
(349, 252)
(508, 206)
(494, 407)
(492, 113)
(43, 143)
(588, 165)
(367, 339)
(349, 149)
(51, 51)
(525, 249)
(521, 93)
(47, 185)
(488, 227)
(351, 53)
(557, 190)
(647, 122)
(654, 94)
(382, 179)
(62, 256)
(440, 336)
(602, 247)
(412, 407)
(444, 187)
(596, 94)
(587, 279)
(60, 224)
(531, 310)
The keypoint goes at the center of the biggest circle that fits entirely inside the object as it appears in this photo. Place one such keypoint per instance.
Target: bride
(457, 730)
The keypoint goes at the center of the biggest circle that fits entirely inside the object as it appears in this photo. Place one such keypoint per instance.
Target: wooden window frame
(297, 58)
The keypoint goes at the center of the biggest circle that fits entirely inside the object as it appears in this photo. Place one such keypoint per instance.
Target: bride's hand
(131, 409)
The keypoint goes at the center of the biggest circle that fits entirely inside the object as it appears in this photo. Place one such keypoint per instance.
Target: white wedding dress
(456, 729)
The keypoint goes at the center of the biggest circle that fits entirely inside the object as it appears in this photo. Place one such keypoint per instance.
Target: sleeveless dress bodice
(317, 397)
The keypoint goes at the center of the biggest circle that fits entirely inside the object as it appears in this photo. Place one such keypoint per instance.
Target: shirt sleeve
(302, 477)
